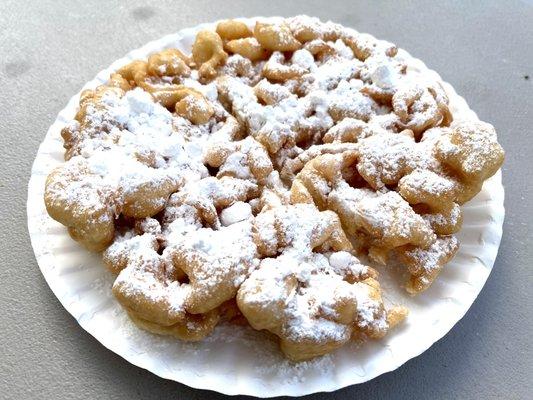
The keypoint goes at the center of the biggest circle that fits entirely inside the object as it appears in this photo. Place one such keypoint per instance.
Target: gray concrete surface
(48, 49)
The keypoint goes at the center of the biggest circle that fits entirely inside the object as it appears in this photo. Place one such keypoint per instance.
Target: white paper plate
(238, 360)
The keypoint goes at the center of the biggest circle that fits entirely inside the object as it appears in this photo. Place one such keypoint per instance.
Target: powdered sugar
(434, 256)
(237, 212)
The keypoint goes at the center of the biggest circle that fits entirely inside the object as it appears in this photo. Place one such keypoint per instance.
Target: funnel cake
(257, 178)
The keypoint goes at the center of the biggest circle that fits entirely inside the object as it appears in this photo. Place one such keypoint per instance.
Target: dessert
(257, 179)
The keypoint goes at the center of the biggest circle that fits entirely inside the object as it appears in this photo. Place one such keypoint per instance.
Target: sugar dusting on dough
(144, 142)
